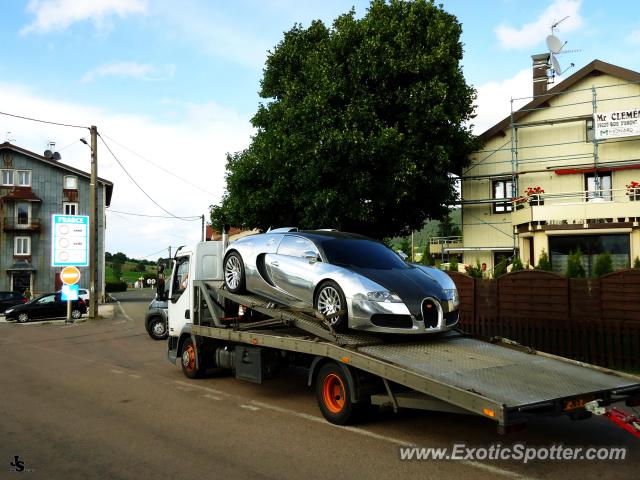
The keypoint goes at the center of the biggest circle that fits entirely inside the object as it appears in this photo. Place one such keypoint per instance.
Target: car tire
(76, 313)
(23, 317)
(157, 328)
(190, 367)
(332, 305)
(333, 387)
(234, 277)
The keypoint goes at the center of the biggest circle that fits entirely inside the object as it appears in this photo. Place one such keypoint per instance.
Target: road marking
(359, 431)
(119, 372)
(211, 397)
(253, 408)
(119, 322)
(123, 312)
(133, 375)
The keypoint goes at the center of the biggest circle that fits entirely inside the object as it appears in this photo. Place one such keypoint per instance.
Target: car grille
(451, 318)
(391, 321)
(430, 313)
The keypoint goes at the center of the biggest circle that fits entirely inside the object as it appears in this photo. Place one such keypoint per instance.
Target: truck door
(180, 293)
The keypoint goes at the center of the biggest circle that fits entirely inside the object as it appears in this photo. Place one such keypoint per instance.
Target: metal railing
(14, 224)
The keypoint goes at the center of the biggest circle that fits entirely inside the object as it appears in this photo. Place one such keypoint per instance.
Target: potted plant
(519, 202)
(633, 190)
(534, 195)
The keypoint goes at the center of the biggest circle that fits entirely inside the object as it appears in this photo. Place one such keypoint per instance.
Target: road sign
(70, 275)
(70, 240)
(70, 292)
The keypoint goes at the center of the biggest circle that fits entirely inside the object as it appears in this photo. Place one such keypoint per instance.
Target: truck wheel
(331, 303)
(332, 393)
(188, 360)
(234, 277)
(157, 328)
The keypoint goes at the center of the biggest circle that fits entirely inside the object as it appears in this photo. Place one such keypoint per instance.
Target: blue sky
(177, 82)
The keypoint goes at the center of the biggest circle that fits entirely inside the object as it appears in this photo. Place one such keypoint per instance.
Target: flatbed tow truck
(209, 327)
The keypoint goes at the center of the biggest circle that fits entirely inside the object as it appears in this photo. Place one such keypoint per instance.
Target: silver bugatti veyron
(354, 281)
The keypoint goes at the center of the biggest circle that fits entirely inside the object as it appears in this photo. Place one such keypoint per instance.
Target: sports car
(355, 282)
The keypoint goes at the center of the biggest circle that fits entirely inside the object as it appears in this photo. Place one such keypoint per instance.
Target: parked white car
(83, 293)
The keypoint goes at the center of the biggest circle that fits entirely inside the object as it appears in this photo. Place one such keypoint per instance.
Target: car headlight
(451, 294)
(383, 296)
(9, 310)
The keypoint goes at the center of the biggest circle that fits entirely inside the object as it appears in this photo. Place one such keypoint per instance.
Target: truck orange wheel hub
(333, 393)
(189, 357)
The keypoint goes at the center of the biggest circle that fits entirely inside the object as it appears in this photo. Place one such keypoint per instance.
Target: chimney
(540, 67)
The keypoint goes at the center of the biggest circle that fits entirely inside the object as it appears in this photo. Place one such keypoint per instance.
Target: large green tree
(361, 126)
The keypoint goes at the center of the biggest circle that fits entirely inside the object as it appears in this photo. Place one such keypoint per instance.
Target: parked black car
(9, 299)
(155, 320)
(49, 305)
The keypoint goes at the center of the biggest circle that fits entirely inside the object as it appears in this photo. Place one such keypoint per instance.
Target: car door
(43, 307)
(291, 271)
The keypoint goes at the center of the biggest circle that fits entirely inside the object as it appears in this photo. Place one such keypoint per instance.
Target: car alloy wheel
(234, 273)
(329, 303)
(75, 313)
(23, 318)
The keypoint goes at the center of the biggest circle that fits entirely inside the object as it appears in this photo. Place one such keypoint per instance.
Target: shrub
(543, 262)
(636, 263)
(475, 272)
(115, 287)
(603, 265)
(453, 264)
(501, 267)
(516, 266)
(574, 265)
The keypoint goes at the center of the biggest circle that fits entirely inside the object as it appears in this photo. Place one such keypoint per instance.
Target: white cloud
(530, 34)
(57, 15)
(634, 37)
(139, 71)
(193, 145)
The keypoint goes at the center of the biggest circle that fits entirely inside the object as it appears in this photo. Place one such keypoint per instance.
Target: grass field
(129, 272)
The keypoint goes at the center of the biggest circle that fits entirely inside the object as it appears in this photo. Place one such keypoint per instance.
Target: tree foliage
(603, 265)
(636, 263)
(360, 126)
(543, 262)
(517, 265)
(575, 269)
(500, 268)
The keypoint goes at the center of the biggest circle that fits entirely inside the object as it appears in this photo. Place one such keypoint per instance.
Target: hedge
(116, 287)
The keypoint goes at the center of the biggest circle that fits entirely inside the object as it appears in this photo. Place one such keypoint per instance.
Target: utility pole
(204, 235)
(93, 226)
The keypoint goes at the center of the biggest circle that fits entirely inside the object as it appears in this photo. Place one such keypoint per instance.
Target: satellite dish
(554, 44)
(56, 156)
(556, 65)
(48, 154)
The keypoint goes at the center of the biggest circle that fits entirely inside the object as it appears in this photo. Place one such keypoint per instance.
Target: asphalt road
(99, 400)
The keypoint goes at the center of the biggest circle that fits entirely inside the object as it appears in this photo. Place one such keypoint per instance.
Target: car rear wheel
(234, 277)
(76, 314)
(157, 328)
(331, 303)
(23, 317)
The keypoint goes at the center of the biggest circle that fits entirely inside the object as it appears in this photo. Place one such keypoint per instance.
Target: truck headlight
(384, 296)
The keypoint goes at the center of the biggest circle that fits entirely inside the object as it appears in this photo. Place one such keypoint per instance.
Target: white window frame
(12, 172)
(72, 178)
(71, 205)
(26, 246)
(29, 209)
(19, 172)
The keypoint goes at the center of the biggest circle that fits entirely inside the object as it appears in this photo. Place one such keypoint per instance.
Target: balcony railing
(438, 244)
(12, 224)
(619, 205)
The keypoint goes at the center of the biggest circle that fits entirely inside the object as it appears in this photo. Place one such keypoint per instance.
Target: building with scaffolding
(559, 173)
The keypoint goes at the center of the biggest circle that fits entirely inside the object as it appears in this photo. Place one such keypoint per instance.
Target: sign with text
(624, 123)
(70, 240)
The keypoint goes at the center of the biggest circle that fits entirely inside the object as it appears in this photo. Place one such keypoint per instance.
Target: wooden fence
(591, 320)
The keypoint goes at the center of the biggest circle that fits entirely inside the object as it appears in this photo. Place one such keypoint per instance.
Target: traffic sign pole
(70, 276)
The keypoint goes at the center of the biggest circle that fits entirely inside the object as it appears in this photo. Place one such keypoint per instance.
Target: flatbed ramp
(500, 380)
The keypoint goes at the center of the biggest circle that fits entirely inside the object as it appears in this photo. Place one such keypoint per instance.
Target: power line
(155, 253)
(136, 183)
(191, 218)
(160, 166)
(42, 121)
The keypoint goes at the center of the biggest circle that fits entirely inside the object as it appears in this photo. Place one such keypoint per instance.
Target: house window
(7, 178)
(598, 186)
(23, 213)
(24, 178)
(22, 246)
(502, 189)
(70, 208)
(70, 183)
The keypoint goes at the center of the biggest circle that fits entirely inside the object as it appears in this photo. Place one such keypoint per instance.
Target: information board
(70, 240)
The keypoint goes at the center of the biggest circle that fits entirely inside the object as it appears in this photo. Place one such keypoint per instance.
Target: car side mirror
(311, 256)
(403, 256)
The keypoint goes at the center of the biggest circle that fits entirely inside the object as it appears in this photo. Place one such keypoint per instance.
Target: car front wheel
(332, 304)
(234, 277)
(23, 318)
(157, 329)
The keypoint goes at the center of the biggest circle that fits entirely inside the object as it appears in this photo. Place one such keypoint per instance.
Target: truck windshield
(362, 254)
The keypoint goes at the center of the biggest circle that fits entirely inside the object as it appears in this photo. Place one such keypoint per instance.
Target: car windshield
(362, 253)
